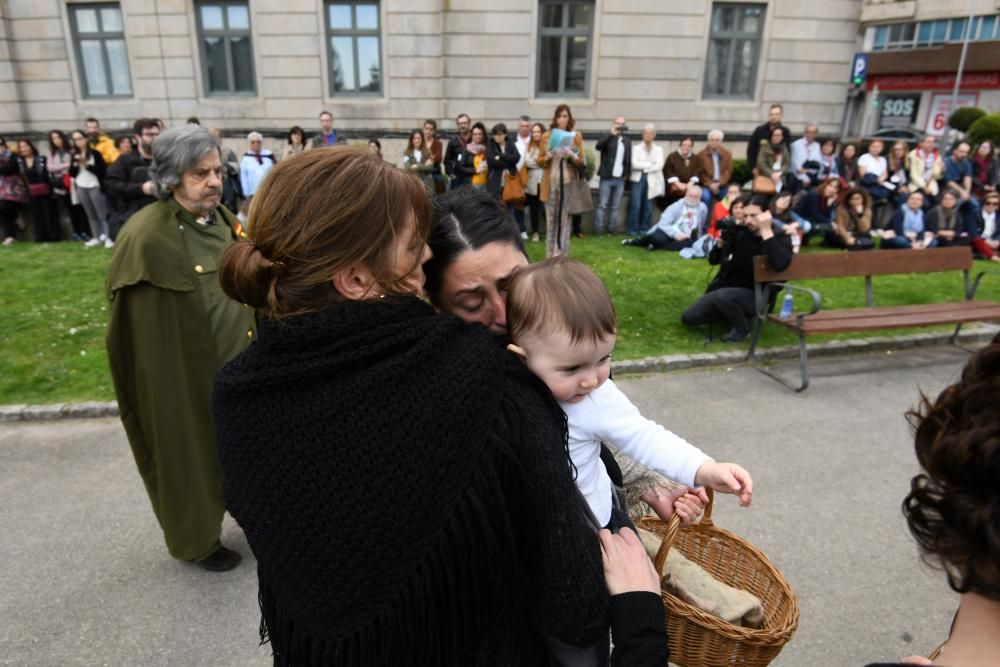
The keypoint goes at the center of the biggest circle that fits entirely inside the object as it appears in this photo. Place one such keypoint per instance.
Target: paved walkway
(85, 580)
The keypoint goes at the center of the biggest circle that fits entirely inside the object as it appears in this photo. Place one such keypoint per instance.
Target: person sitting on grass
(907, 228)
(563, 326)
(987, 242)
(852, 227)
(730, 295)
(679, 226)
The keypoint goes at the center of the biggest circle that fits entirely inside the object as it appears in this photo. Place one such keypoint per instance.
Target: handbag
(577, 197)
(67, 181)
(763, 185)
(513, 189)
(39, 189)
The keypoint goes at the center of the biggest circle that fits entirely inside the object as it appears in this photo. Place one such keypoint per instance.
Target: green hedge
(741, 171)
(987, 127)
(962, 118)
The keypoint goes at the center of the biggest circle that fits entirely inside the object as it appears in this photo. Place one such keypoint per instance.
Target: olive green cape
(163, 359)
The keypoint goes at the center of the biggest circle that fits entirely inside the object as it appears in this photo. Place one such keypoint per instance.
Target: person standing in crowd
(715, 168)
(327, 135)
(255, 165)
(772, 159)
(827, 161)
(418, 160)
(908, 228)
(730, 296)
(101, 142)
(852, 227)
(647, 182)
(926, 169)
(375, 146)
(436, 150)
(616, 164)
(193, 120)
(88, 172)
(535, 171)
(501, 158)
(59, 160)
(43, 209)
(13, 192)
(985, 168)
(562, 165)
(680, 171)
(128, 182)
(806, 155)
(456, 145)
(679, 226)
(470, 165)
(296, 142)
(124, 145)
(763, 132)
(232, 189)
(521, 141)
(336, 276)
(818, 207)
(847, 165)
(171, 329)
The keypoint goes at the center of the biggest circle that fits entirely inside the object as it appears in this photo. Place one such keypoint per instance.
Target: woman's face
(297, 138)
(948, 200)
(733, 192)
(875, 148)
(474, 286)
(686, 146)
(783, 201)
(374, 148)
(777, 136)
(79, 141)
(24, 149)
(55, 140)
(418, 140)
(562, 120)
(478, 136)
(828, 147)
(125, 147)
(536, 133)
(833, 189)
(429, 131)
(849, 151)
(985, 148)
(857, 201)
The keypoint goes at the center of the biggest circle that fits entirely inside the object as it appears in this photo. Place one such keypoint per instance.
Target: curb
(670, 362)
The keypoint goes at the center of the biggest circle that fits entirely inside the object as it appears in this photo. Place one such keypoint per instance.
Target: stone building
(382, 66)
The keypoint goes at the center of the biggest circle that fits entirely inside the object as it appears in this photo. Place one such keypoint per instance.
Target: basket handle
(674, 526)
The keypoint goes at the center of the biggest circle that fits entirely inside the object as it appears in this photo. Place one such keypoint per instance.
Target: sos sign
(899, 110)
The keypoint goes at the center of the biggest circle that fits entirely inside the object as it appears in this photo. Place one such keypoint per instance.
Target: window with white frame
(923, 34)
(99, 42)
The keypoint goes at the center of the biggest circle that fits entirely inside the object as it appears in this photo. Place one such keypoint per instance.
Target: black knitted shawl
(404, 486)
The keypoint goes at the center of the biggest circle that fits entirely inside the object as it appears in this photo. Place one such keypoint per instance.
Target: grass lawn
(53, 311)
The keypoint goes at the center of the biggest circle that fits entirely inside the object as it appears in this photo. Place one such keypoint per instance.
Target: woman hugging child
(562, 325)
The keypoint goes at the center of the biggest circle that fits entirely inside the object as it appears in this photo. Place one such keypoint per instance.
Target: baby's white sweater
(607, 414)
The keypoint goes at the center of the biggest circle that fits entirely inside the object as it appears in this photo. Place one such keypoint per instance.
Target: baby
(562, 325)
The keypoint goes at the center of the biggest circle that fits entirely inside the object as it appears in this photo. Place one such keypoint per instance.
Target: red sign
(970, 80)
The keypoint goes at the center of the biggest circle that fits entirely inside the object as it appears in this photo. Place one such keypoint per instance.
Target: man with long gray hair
(171, 329)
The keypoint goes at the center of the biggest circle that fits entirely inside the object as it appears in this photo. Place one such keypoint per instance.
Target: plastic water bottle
(786, 306)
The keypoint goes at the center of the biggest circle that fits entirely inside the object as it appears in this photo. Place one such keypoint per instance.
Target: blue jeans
(609, 196)
(640, 209)
(903, 243)
(708, 197)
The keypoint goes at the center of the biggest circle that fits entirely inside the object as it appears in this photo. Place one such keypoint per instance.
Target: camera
(623, 129)
(727, 227)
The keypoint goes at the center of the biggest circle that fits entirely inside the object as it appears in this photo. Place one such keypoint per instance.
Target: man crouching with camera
(730, 295)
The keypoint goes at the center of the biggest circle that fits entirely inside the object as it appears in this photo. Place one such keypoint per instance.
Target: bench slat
(865, 263)
(867, 319)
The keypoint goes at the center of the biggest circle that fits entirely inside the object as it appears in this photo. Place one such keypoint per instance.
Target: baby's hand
(726, 478)
(666, 501)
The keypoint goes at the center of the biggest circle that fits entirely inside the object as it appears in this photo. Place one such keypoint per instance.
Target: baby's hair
(560, 295)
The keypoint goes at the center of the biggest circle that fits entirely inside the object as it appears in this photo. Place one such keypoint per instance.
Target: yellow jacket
(106, 147)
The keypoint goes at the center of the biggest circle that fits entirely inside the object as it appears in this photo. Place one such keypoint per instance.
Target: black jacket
(608, 148)
(451, 153)
(736, 258)
(498, 162)
(763, 133)
(124, 185)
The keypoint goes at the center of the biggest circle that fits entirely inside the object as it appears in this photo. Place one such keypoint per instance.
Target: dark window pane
(340, 17)
(121, 83)
(908, 31)
(548, 65)
(242, 63)
(580, 15)
(86, 20)
(111, 19)
(215, 60)
(881, 36)
(940, 31)
(576, 65)
(239, 17)
(369, 68)
(752, 19)
(367, 17)
(343, 63)
(742, 78)
(923, 33)
(957, 30)
(552, 15)
(718, 60)
(727, 19)
(211, 17)
(93, 67)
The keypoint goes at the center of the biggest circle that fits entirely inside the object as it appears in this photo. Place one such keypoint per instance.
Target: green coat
(171, 329)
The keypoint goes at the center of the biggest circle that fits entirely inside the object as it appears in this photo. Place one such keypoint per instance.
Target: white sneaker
(102, 238)
(108, 243)
(524, 236)
(91, 243)
(10, 240)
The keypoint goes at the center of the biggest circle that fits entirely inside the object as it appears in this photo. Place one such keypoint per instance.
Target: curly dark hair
(953, 508)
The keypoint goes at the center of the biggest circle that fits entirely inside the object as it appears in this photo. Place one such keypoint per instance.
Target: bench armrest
(971, 289)
(764, 297)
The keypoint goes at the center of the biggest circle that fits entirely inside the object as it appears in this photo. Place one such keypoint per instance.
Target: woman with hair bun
(953, 508)
(402, 480)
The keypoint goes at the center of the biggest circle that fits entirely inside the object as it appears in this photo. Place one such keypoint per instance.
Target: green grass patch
(53, 312)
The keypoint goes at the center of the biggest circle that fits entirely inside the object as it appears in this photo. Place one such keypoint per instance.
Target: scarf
(377, 456)
(946, 218)
(474, 148)
(929, 159)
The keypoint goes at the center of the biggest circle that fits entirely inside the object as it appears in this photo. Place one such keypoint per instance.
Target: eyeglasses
(992, 203)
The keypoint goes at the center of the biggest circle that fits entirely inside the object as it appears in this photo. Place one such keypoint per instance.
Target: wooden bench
(867, 264)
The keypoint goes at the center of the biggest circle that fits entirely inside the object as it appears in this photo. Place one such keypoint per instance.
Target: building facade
(383, 66)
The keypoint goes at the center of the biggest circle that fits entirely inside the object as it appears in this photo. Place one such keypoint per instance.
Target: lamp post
(961, 60)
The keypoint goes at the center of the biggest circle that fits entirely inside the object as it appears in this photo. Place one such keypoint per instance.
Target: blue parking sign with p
(859, 69)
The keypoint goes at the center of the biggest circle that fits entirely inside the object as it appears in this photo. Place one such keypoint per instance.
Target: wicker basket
(698, 639)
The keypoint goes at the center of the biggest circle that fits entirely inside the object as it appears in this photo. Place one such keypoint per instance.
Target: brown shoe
(220, 560)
